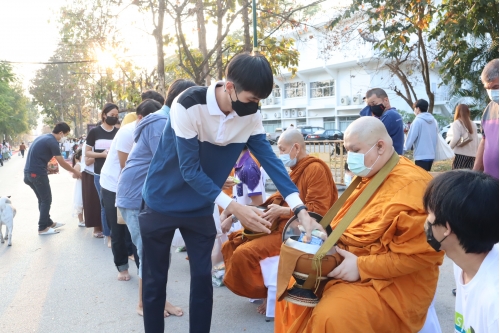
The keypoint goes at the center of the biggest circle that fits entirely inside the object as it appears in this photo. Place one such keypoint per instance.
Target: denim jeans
(105, 229)
(131, 217)
(41, 186)
(120, 231)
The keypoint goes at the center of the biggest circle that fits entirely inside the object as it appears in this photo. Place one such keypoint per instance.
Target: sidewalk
(67, 282)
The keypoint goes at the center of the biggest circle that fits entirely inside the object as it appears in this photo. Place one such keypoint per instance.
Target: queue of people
(166, 168)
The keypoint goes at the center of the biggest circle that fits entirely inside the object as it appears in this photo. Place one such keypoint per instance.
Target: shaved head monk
(252, 265)
(389, 273)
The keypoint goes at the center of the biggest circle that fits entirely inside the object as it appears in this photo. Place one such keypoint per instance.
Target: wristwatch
(297, 210)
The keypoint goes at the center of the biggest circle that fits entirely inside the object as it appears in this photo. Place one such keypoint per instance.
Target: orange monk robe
(398, 269)
(243, 274)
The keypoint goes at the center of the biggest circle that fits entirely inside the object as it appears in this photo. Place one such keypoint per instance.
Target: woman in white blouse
(465, 154)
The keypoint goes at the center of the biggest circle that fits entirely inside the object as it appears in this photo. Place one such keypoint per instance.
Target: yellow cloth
(243, 275)
(398, 269)
(129, 118)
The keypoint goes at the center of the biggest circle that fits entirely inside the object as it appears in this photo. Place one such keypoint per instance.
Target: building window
(274, 98)
(346, 121)
(322, 89)
(271, 125)
(329, 123)
(300, 122)
(295, 89)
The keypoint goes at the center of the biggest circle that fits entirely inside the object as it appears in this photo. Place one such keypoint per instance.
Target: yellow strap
(351, 214)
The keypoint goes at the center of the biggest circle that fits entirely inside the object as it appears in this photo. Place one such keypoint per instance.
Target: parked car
(273, 137)
(306, 129)
(330, 134)
(445, 130)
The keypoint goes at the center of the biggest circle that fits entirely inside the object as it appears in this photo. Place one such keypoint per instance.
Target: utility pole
(256, 48)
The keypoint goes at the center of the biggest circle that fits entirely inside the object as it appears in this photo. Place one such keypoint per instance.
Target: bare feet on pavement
(123, 276)
(170, 309)
(262, 308)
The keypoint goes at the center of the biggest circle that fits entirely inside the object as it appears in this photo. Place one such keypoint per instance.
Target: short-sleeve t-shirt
(41, 152)
(490, 129)
(100, 140)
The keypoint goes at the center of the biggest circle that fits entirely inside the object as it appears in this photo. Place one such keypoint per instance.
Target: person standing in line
(91, 204)
(206, 124)
(22, 148)
(131, 180)
(98, 143)
(422, 136)
(462, 221)
(487, 153)
(381, 108)
(67, 149)
(465, 155)
(35, 173)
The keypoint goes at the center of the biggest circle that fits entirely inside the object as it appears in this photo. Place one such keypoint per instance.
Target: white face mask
(356, 163)
(493, 94)
(62, 140)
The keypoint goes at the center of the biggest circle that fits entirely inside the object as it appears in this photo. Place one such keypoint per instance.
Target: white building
(329, 92)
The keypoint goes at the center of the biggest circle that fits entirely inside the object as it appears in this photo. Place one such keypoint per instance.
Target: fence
(333, 153)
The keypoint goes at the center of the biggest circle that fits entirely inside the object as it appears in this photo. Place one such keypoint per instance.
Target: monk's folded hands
(348, 269)
(250, 217)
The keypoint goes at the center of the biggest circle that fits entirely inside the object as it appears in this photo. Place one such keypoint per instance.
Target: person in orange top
(388, 276)
(251, 265)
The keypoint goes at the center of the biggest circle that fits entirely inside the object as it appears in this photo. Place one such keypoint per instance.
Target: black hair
(61, 127)
(251, 73)
(77, 155)
(422, 104)
(380, 93)
(151, 94)
(176, 88)
(468, 201)
(147, 106)
(108, 107)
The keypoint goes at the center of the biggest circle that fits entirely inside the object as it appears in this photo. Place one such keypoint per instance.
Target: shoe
(58, 225)
(51, 231)
(98, 235)
(81, 224)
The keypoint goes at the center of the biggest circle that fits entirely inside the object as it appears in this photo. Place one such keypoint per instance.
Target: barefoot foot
(170, 309)
(262, 308)
(123, 276)
(140, 310)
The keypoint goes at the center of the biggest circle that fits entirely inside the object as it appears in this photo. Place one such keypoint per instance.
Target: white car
(445, 130)
(449, 133)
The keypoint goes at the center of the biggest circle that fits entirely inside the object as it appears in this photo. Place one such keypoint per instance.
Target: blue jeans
(105, 228)
(131, 217)
(41, 186)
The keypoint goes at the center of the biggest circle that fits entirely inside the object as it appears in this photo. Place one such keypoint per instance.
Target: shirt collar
(213, 107)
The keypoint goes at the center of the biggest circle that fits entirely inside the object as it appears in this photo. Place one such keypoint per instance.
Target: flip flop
(51, 231)
(81, 224)
(98, 235)
(58, 225)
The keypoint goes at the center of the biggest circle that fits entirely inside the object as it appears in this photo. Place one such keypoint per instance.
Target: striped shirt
(197, 151)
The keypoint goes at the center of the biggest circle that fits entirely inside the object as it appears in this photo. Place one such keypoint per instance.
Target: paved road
(67, 282)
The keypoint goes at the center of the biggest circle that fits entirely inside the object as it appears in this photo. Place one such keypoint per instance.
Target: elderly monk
(251, 265)
(389, 273)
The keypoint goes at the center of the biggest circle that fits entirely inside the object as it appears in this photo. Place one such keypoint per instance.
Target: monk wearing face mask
(389, 273)
(252, 264)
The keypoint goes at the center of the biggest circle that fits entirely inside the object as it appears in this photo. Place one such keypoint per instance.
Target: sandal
(98, 235)
(81, 224)
(51, 231)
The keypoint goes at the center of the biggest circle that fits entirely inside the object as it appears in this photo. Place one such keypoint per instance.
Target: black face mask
(111, 120)
(377, 110)
(433, 242)
(243, 109)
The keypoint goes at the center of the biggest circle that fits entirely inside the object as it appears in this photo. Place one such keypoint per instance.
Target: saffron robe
(398, 269)
(243, 274)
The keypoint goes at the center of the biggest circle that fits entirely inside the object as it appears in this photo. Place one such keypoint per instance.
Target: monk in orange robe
(317, 190)
(389, 273)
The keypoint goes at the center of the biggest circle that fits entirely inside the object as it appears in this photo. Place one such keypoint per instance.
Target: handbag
(443, 150)
(464, 139)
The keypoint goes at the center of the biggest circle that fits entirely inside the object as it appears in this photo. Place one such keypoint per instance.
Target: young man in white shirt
(463, 221)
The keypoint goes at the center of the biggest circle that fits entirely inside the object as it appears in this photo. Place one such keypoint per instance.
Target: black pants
(41, 186)
(426, 165)
(157, 231)
(22, 153)
(121, 235)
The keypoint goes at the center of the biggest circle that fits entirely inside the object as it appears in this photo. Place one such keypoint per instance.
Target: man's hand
(309, 224)
(226, 224)
(348, 269)
(274, 212)
(229, 183)
(250, 217)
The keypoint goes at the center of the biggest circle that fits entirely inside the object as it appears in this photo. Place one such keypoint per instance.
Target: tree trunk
(220, 15)
(247, 47)
(202, 39)
(158, 34)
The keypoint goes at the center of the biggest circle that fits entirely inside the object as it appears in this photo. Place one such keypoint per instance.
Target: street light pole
(256, 48)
